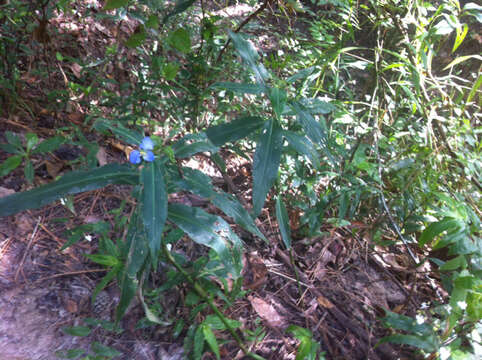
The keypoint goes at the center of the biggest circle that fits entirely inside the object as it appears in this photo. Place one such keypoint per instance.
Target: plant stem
(202, 293)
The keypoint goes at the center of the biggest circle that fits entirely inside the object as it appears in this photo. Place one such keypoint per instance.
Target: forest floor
(344, 281)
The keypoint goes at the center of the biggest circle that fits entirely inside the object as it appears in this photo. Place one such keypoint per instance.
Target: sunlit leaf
(436, 228)
(152, 21)
(455, 263)
(215, 322)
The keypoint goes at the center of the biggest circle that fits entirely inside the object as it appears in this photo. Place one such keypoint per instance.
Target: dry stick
(247, 20)
(70, 274)
(20, 267)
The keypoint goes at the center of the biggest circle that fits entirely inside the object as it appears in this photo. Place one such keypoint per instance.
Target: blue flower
(145, 152)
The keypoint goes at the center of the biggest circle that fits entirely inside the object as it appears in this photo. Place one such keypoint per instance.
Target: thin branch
(247, 20)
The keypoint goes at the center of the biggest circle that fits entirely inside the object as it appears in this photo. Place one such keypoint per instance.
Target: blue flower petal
(135, 157)
(148, 156)
(147, 144)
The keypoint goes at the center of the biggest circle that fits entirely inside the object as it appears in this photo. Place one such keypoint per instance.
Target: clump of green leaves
(22, 153)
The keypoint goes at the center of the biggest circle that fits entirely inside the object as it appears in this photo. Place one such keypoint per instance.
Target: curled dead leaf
(53, 168)
(323, 301)
(267, 312)
(254, 272)
(76, 69)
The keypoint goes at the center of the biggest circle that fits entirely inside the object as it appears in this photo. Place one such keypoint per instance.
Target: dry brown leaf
(254, 272)
(53, 169)
(101, 156)
(320, 271)
(24, 224)
(267, 312)
(76, 118)
(76, 69)
(71, 306)
(323, 301)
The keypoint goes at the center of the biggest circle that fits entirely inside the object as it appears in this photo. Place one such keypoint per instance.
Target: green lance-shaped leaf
(437, 228)
(255, 89)
(180, 40)
(137, 251)
(283, 222)
(303, 145)
(231, 207)
(211, 340)
(129, 136)
(49, 145)
(115, 4)
(426, 342)
(302, 74)
(211, 231)
(104, 351)
(313, 128)
(196, 182)
(137, 38)
(181, 6)
(71, 183)
(266, 163)
(233, 131)
(278, 100)
(317, 106)
(154, 204)
(200, 184)
(77, 330)
(10, 164)
(192, 144)
(250, 56)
